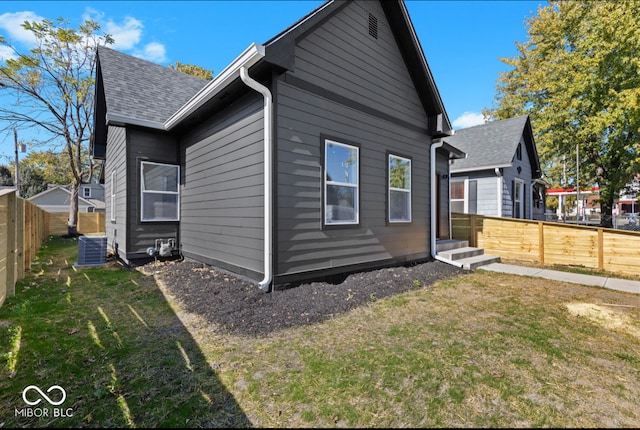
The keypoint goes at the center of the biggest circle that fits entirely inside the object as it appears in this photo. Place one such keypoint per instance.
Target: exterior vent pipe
(265, 284)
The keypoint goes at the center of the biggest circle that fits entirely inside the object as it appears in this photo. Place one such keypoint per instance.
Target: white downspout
(434, 209)
(265, 284)
(499, 190)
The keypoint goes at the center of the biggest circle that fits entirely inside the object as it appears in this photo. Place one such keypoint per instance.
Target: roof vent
(373, 26)
(92, 251)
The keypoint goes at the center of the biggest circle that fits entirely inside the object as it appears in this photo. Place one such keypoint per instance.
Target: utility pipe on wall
(265, 284)
(434, 209)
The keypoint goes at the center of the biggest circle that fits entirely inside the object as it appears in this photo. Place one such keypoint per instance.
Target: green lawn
(480, 350)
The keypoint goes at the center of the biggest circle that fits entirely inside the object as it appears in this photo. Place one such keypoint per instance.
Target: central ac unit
(92, 251)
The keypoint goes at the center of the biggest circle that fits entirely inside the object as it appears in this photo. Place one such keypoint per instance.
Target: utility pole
(15, 139)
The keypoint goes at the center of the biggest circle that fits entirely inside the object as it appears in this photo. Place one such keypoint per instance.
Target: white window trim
(356, 209)
(84, 192)
(520, 186)
(390, 188)
(113, 195)
(465, 188)
(143, 192)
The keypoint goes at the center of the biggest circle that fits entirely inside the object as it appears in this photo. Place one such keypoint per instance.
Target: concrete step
(448, 244)
(460, 253)
(477, 261)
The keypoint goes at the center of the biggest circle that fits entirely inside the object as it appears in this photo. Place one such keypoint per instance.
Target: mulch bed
(239, 306)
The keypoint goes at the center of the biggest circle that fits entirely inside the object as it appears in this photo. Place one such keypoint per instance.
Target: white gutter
(499, 190)
(265, 284)
(248, 58)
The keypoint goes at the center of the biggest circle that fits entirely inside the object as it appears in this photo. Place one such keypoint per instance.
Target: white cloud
(11, 23)
(153, 51)
(468, 119)
(126, 34)
(6, 53)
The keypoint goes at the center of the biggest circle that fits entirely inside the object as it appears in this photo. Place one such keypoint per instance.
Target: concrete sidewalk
(575, 278)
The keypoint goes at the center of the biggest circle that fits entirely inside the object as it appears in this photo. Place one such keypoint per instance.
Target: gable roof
(66, 194)
(135, 91)
(141, 90)
(494, 145)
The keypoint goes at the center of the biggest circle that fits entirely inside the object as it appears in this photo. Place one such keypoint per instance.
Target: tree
(31, 181)
(6, 177)
(52, 166)
(190, 69)
(53, 88)
(578, 77)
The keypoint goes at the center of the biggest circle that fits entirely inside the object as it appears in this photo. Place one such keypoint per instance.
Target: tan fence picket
(23, 229)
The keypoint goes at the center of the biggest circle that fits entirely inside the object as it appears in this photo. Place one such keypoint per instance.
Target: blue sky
(462, 40)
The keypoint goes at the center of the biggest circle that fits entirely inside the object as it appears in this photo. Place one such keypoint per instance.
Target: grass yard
(480, 350)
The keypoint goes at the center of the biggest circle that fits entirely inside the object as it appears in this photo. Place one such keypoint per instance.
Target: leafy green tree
(31, 181)
(6, 177)
(190, 69)
(54, 85)
(52, 166)
(578, 77)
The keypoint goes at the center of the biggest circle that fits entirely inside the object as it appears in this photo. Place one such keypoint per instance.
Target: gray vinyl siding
(342, 57)
(222, 193)
(116, 231)
(509, 175)
(487, 190)
(303, 244)
(146, 145)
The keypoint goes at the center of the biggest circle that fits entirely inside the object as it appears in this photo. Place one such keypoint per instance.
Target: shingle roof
(488, 145)
(139, 89)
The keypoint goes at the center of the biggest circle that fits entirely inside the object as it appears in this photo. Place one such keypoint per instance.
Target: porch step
(459, 253)
(447, 244)
(471, 263)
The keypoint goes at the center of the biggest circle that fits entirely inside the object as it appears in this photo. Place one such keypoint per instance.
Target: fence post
(541, 242)
(11, 245)
(600, 249)
(19, 239)
(473, 230)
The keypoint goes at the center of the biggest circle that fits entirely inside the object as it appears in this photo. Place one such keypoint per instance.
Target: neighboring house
(309, 156)
(57, 198)
(501, 174)
(628, 200)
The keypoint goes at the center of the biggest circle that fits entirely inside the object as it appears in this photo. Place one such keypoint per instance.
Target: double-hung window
(341, 185)
(160, 197)
(399, 189)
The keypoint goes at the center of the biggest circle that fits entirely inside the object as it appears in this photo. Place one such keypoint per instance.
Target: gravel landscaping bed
(239, 306)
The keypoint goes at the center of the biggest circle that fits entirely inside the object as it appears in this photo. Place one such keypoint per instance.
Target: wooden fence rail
(551, 243)
(23, 229)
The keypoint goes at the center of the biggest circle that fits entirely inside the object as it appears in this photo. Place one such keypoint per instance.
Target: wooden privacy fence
(24, 228)
(22, 231)
(551, 243)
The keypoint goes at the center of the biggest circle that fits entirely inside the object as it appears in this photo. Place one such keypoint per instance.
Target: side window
(159, 188)
(86, 192)
(113, 195)
(341, 184)
(399, 189)
(457, 196)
